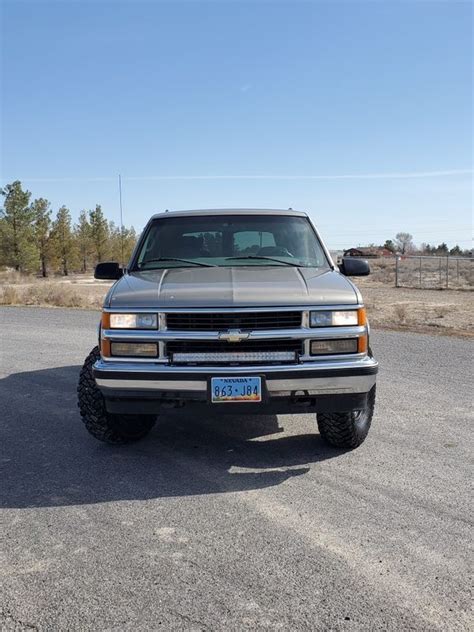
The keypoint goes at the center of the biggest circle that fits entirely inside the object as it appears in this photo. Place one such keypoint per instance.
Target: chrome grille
(245, 321)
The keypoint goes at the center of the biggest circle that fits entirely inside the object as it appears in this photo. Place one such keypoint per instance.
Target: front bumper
(321, 386)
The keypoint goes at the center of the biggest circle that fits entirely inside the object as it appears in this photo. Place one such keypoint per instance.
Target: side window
(250, 241)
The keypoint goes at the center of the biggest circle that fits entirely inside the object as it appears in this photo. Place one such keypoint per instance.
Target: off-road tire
(115, 429)
(347, 430)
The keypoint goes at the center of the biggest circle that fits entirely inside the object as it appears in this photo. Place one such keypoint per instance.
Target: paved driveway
(232, 523)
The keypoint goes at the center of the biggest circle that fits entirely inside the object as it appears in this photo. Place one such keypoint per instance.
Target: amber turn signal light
(105, 320)
(361, 316)
(105, 348)
(362, 344)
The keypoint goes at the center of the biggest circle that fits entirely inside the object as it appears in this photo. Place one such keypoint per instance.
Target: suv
(242, 311)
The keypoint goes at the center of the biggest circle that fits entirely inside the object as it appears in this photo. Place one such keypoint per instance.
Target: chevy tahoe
(240, 310)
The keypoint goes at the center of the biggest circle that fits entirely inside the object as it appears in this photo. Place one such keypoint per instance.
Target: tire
(347, 430)
(114, 429)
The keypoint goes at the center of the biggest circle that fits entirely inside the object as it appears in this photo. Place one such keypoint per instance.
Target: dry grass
(75, 291)
(13, 277)
(448, 312)
(400, 312)
(48, 293)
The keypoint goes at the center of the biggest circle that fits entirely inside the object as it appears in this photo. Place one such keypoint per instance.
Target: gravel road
(232, 523)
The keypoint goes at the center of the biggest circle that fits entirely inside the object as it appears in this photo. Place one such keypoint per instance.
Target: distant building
(369, 252)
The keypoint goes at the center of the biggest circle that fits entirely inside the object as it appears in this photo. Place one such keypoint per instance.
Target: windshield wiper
(286, 263)
(194, 263)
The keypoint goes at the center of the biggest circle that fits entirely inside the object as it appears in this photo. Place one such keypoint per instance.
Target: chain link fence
(426, 272)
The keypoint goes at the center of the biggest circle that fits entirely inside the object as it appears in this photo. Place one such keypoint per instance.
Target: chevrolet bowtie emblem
(233, 335)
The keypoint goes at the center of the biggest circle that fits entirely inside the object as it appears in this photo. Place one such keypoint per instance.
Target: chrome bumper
(326, 377)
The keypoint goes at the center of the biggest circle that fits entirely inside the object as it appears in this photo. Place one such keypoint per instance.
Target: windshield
(230, 240)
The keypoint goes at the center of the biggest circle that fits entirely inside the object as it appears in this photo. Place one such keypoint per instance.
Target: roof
(368, 249)
(231, 211)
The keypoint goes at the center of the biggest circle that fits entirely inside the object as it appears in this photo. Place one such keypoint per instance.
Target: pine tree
(122, 242)
(17, 246)
(389, 245)
(42, 232)
(99, 233)
(83, 237)
(63, 240)
(115, 242)
(129, 243)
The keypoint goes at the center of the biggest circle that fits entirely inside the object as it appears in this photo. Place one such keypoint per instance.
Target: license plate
(236, 389)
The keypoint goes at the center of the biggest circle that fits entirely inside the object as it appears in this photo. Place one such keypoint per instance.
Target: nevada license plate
(236, 389)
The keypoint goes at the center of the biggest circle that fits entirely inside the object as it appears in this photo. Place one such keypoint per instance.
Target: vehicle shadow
(47, 458)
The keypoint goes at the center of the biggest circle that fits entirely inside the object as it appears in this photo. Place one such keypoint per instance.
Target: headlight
(329, 347)
(339, 318)
(134, 349)
(131, 321)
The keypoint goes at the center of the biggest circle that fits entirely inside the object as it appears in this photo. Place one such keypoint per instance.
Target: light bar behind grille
(235, 356)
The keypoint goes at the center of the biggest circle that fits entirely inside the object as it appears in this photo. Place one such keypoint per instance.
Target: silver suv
(242, 311)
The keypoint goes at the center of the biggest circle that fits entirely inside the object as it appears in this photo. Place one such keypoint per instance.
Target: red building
(369, 252)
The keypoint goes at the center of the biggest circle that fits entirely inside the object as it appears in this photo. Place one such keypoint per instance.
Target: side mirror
(351, 266)
(109, 270)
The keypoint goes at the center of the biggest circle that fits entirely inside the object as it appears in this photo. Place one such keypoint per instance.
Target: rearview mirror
(351, 266)
(109, 270)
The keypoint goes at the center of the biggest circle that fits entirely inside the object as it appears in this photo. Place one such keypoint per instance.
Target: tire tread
(97, 421)
(341, 430)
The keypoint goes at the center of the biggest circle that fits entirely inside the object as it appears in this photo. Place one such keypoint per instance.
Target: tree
(99, 233)
(122, 242)
(129, 242)
(115, 242)
(442, 250)
(42, 232)
(83, 237)
(389, 245)
(404, 242)
(17, 246)
(456, 251)
(63, 240)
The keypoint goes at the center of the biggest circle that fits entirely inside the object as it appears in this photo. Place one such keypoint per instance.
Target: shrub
(401, 312)
(8, 295)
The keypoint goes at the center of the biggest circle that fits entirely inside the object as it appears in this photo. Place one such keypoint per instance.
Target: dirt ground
(445, 312)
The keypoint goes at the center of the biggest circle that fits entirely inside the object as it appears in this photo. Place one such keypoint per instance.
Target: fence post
(396, 271)
(420, 272)
(447, 271)
(457, 270)
(440, 277)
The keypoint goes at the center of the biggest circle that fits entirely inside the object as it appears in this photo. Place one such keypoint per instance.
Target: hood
(242, 286)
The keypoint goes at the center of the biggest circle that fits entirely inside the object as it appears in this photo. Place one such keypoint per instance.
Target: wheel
(347, 430)
(115, 429)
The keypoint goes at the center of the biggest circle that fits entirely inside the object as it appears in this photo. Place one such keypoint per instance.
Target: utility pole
(121, 218)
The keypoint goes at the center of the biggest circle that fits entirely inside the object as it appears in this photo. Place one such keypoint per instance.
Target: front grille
(245, 321)
(294, 347)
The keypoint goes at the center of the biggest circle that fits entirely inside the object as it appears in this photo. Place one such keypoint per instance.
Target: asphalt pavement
(233, 523)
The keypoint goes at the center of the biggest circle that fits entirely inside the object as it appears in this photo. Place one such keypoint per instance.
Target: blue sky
(252, 104)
